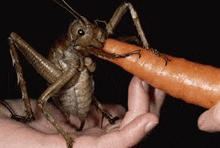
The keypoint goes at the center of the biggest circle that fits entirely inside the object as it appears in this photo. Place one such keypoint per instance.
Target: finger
(138, 100)
(210, 120)
(137, 97)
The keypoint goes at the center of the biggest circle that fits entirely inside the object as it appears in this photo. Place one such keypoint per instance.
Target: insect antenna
(67, 7)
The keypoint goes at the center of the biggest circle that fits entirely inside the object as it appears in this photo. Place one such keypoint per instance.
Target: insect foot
(109, 117)
(159, 54)
(113, 120)
(22, 119)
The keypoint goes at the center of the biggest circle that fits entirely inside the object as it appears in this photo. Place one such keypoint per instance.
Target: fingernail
(150, 126)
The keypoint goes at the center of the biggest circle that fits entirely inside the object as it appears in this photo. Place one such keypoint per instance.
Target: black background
(182, 29)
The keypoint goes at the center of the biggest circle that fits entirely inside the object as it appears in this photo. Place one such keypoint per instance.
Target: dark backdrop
(182, 29)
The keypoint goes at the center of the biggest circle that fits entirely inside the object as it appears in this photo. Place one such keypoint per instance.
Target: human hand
(209, 121)
(127, 132)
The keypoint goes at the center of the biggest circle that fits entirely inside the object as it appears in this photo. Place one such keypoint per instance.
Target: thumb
(210, 120)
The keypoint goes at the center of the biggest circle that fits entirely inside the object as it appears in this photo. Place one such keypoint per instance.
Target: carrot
(189, 81)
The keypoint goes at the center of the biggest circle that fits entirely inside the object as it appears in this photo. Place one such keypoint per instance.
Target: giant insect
(68, 69)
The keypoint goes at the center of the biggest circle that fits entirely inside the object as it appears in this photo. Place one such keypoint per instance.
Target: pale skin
(134, 125)
(209, 121)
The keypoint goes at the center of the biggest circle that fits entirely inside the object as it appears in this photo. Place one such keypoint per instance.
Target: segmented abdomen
(76, 100)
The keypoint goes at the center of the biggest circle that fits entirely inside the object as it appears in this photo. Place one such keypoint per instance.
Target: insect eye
(81, 32)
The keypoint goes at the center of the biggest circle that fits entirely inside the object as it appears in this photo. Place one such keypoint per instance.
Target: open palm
(128, 131)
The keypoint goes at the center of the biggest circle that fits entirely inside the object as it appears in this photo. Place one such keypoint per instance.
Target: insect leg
(29, 114)
(22, 119)
(50, 91)
(105, 112)
(122, 9)
(117, 17)
(6, 105)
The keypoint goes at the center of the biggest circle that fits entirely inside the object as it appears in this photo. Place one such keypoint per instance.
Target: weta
(68, 70)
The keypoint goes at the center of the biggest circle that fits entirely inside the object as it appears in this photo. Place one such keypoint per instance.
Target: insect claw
(155, 51)
(112, 120)
(139, 53)
(165, 58)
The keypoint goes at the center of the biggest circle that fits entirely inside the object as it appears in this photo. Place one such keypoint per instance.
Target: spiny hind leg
(51, 91)
(20, 78)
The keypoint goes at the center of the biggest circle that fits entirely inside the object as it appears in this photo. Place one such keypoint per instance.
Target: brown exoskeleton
(68, 69)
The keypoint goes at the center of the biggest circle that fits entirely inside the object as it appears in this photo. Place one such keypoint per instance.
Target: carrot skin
(189, 81)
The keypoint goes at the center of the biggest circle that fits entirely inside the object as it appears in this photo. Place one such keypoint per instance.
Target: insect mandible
(68, 69)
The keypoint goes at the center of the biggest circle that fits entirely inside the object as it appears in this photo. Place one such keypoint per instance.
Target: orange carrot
(189, 81)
